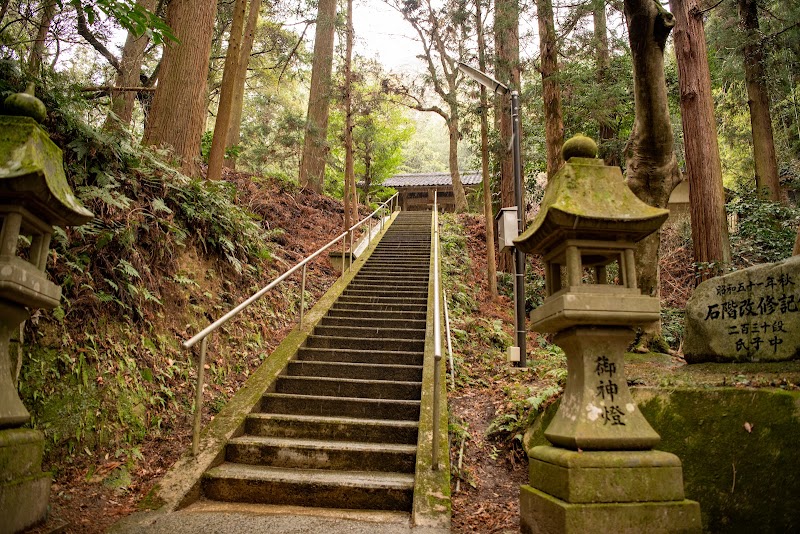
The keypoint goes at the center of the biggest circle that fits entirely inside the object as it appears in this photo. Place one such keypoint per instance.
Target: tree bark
(491, 267)
(605, 128)
(652, 168)
(703, 167)
(37, 50)
(551, 87)
(177, 115)
(507, 70)
(315, 146)
(350, 202)
(4, 9)
(234, 133)
(130, 70)
(796, 250)
(459, 195)
(227, 91)
(764, 159)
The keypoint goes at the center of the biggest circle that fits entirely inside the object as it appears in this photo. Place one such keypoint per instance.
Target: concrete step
(310, 487)
(357, 371)
(332, 428)
(373, 321)
(321, 454)
(285, 403)
(372, 307)
(350, 388)
(382, 300)
(339, 342)
(387, 287)
(375, 332)
(394, 292)
(377, 280)
(376, 312)
(360, 356)
(389, 265)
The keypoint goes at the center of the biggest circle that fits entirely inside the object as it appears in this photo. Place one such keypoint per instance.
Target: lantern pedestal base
(605, 491)
(24, 489)
(545, 514)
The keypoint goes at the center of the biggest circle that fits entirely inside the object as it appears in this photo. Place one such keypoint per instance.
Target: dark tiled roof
(427, 179)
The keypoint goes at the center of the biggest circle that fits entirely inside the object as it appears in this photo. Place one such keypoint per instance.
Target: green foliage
(129, 15)
(673, 326)
(527, 403)
(766, 230)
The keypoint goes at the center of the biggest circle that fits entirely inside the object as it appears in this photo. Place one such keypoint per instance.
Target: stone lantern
(34, 196)
(600, 474)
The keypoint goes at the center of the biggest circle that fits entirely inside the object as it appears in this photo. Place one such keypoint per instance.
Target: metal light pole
(519, 256)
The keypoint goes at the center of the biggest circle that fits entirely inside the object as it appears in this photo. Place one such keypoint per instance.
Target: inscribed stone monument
(746, 316)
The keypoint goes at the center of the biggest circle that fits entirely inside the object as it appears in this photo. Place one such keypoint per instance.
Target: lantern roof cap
(32, 173)
(588, 200)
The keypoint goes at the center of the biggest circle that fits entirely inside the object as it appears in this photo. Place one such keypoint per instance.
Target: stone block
(606, 476)
(541, 513)
(20, 453)
(23, 502)
(748, 315)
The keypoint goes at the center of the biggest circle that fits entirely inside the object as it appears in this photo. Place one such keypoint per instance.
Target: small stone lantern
(600, 474)
(34, 196)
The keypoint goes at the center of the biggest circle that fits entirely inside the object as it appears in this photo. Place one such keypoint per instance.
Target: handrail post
(303, 294)
(350, 263)
(198, 402)
(344, 244)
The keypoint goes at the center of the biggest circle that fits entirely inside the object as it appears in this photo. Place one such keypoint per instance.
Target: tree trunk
(37, 50)
(459, 196)
(178, 112)
(551, 87)
(130, 66)
(350, 203)
(230, 75)
(491, 267)
(606, 131)
(4, 9)
(315, 146)
(796, 250)
(234, 133)
(766, 165)
(652, 168)
(507, 70)
(703, 167)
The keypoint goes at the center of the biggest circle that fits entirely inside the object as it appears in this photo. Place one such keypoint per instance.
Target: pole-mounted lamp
(519, 256)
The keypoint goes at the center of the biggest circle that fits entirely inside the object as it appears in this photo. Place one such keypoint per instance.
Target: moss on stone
(738, 448)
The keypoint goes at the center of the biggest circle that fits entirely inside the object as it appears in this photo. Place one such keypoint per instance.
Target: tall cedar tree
(234, 133)
(766, 164)
(703, 166)
(36, 55)
(128, 76)
(227, 93)
(507, 70)
(315, 147)
(551, 88)
(652, 167)
(491, 266)
(436, 31)
(606, 131)
(350, 199)
(177, 116)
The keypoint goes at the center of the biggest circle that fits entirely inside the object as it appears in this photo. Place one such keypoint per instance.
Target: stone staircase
(339, 427)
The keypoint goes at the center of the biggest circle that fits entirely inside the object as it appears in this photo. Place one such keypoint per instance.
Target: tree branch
(83, 31)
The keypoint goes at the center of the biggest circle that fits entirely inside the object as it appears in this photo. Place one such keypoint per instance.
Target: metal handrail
(437, 335)
(449, 340)
(202, 336)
